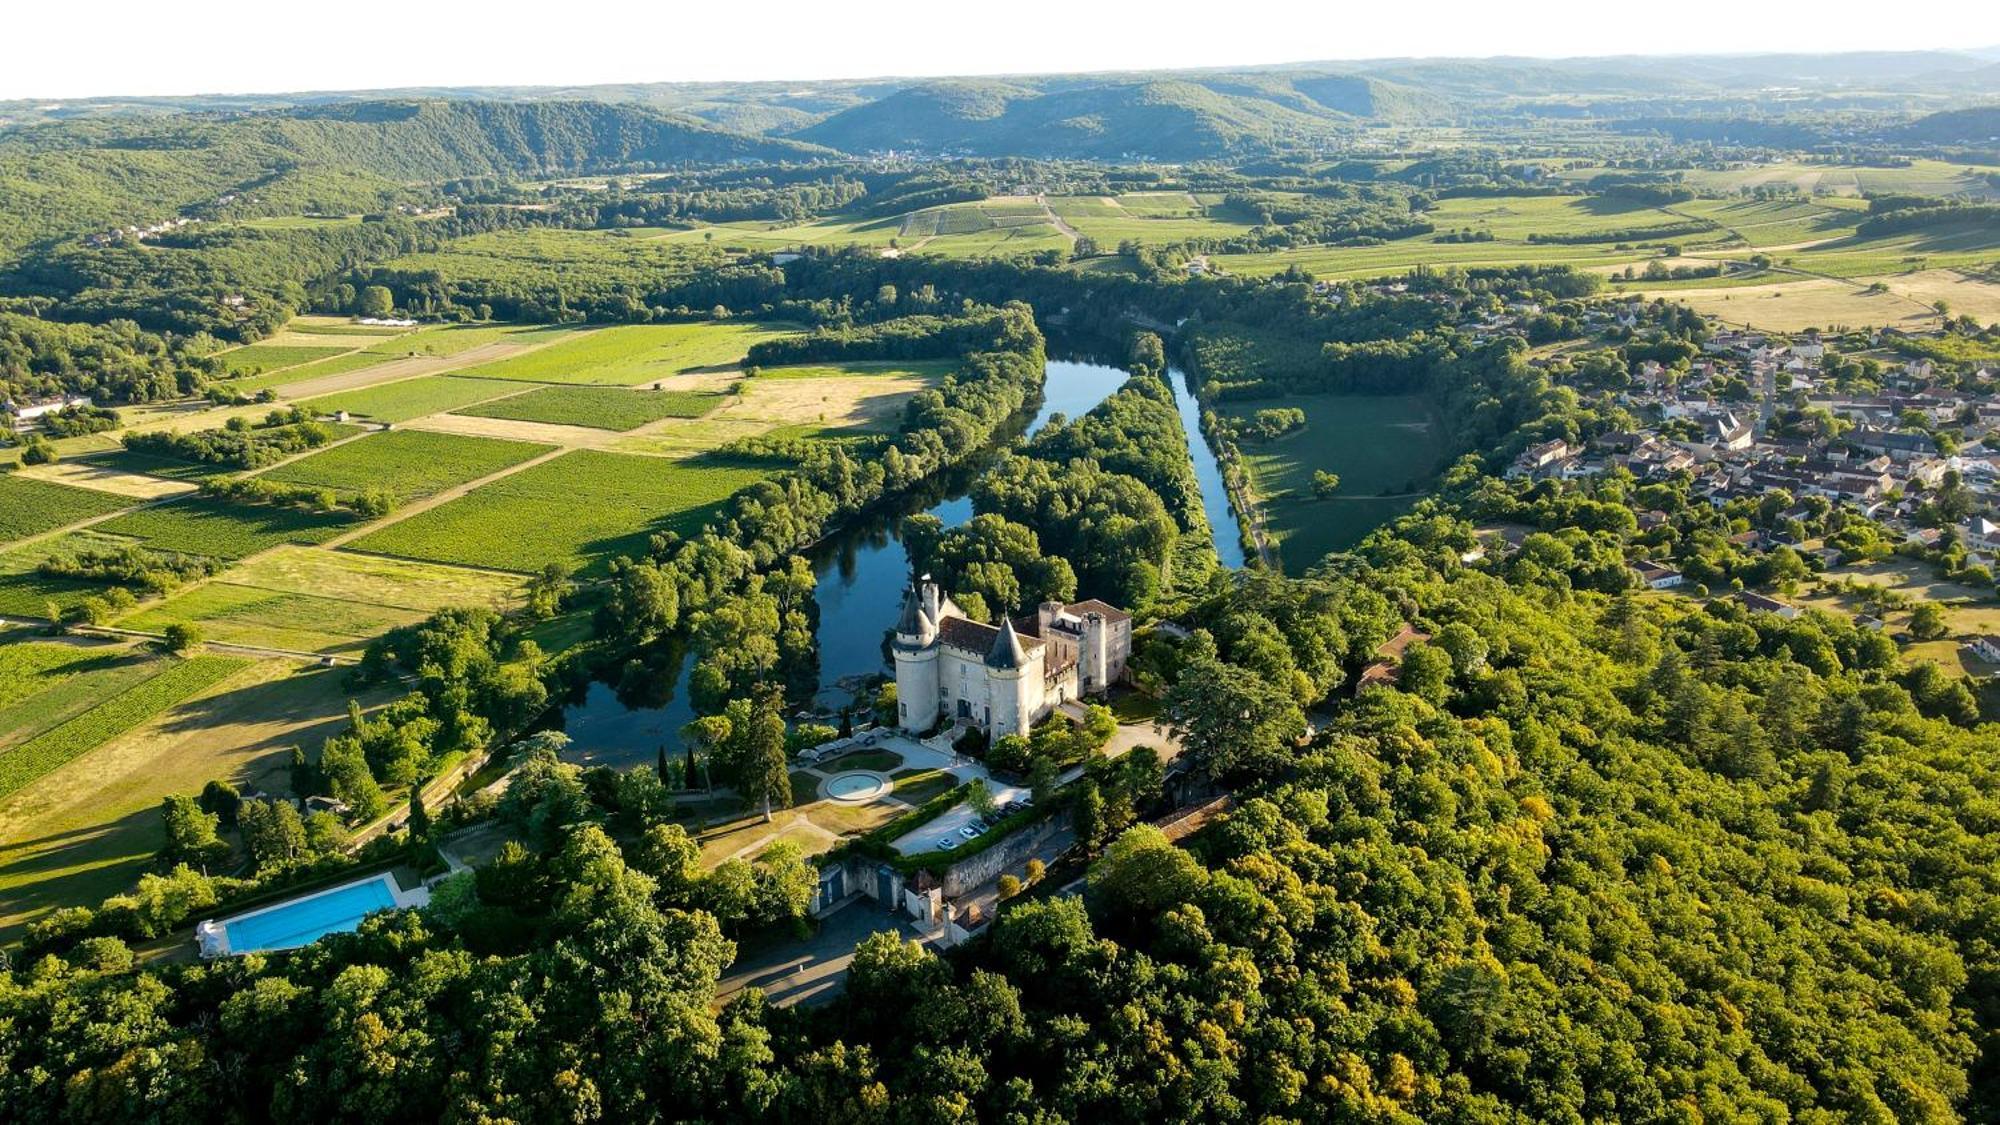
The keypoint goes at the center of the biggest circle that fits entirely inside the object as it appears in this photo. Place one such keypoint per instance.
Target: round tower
(1010, 684)
(916, 654)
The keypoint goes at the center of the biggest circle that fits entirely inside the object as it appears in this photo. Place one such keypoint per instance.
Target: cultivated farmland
(409, 463)
(31, 507)
(414, 398)
(309, 599)
(582, 507)
(70, 740)
(628, 355)
(201, 525)
(259, 358)
(603, 408)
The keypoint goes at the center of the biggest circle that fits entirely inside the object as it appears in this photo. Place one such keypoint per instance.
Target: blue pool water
(304, 921)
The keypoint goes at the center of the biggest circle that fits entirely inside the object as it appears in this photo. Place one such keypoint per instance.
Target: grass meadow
(1383, 447)
(308, 599)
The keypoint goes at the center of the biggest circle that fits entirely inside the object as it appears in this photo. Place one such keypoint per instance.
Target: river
(861, 573)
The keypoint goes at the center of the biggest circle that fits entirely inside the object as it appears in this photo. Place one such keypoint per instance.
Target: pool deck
(212, 935)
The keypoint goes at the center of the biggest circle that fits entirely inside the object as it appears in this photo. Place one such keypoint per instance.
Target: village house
(1657, 576)
(24, 416)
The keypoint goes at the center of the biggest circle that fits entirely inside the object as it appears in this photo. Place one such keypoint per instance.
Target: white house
(1657, 576)
(1001, 679)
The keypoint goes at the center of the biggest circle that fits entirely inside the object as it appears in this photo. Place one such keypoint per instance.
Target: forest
(1591, 855)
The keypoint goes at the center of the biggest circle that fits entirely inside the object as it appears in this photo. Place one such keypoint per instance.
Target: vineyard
(203, 526)
(580, 508)
(409, 463)
(69, 741)
(414, 398)
(629, 355)
(31, 507)
(603, 408)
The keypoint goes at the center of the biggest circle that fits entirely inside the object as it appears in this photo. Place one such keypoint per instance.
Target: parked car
(969, 832)
(948, 843)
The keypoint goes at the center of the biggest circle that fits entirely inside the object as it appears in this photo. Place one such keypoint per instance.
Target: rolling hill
(1189, 117)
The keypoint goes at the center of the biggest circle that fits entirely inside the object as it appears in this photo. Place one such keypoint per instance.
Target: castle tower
(916, 654)
(1094, 660)
(1012, 680)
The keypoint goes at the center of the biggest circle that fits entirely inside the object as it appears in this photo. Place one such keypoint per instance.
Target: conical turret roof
(911, 623)
(1006, 651)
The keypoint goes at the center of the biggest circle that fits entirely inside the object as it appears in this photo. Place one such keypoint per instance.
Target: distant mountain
(1979, 125)
(72, 177)
(1170, 118)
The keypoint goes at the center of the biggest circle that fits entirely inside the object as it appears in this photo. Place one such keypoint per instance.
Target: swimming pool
(302, 921)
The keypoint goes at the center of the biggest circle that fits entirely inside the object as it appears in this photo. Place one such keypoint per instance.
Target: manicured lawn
(201, 525)
(603, 408)
(1382, 447)
(31, 507)
(628, 355)
(414, 398)
(879, 760)
(580, 508)
(918, 786)
(409, 463)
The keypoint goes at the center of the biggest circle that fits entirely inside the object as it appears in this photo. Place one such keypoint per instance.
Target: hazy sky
(103, 47)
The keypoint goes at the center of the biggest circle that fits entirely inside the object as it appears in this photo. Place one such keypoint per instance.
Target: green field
(580, 508)
(603, 408)
(1150, 218)
(409, 463)
(414, 398)
(630, 354)
(26, 593)
(44, 684)
(200, 525)
(259, 358)
(308, 599)
(61, 744)
(1378, 445)
(1922, 177)
(31, 507)
(319, 369)
(454, 339)
(585, 263)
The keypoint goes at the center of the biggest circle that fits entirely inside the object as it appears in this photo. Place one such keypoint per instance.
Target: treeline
(117, 362)
(1655, 233)
(1114, 493)
(239, 445)
(1916, 218)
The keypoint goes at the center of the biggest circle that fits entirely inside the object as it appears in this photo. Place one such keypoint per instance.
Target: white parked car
(948, 843)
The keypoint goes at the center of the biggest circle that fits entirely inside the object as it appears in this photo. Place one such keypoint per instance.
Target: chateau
(1002, 679)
